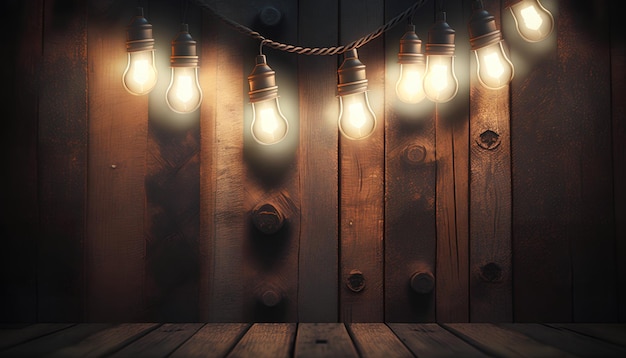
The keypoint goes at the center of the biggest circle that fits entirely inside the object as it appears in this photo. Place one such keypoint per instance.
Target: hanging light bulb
(533, 21)
(356, 118)
(140, 75)
(494, 68)
(440, 83)
(184, 94)
(269, 125)
(410, 87)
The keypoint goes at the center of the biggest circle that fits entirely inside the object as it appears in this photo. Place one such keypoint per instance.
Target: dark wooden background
(116, 209)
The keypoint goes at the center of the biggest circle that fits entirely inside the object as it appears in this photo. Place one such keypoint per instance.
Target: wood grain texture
(212, 340)
(13, 337)
(318, 259)
(608, 332)
(490, 201)
(377, 340)
(62, 163)
(430, 339)
(161, 342)
(410, 186)
(118, 130)
(19, 225)
(361, 177)
(266, 340)
(323, 340)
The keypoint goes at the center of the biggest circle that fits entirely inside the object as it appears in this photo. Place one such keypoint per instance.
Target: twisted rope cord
(319, 51)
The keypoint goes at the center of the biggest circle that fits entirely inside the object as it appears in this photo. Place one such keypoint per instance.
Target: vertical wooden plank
(18, 150)
(118, 126)
(585, 111)
(362, 175)
(319, 244)
(410, 178)
(172, 184)
(377, 340)
(490, 204)
(618, 113)
(271, 258)
(539, 148)
(266, 340)
(62, 166)
(323, 340)
(452, 154)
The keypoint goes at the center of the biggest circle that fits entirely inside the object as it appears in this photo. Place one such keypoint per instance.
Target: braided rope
(320, 51)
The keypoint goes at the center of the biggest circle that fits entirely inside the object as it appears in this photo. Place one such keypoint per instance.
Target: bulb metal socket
(262, 81)
(184, 52)
(482, 27)
(410, 47)
(139, 33)
(440, 37)
(352, 78)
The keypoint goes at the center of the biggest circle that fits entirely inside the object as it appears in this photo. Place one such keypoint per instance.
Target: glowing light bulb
(409, 87)
(493, 67)
(533, 21)
(140, 75)
(356, 118)
(440, 82)
(269, 125)
(184, 94)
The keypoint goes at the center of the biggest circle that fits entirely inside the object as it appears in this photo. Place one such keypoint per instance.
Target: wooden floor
(313, 340)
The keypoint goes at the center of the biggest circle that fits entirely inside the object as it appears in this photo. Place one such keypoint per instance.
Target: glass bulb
(440, 83)
(140, 75)
(533, 21)
(269, 125)
(356, 118)
(184, 94)
(494, 68)
(410, 88)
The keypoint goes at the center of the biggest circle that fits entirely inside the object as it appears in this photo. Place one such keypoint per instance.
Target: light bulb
(140, 75)
(440, 82)
(356, 118)
(184, 94)
(269, 125)
(533, 21)
(493, 66)
(409, 87)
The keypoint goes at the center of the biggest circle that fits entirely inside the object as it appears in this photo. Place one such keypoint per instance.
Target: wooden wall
(499, 206)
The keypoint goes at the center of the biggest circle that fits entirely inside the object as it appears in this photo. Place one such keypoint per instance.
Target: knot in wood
(491, 272)
(423, 282)
(489, 140)
(270, 16)
(414, 154)
(270, 298)
(267, 219)
(356, 281)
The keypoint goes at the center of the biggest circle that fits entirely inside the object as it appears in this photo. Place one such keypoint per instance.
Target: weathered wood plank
(430, 340)
(377, 340)
(452, 197)
(319, 244)
(118, 126)
(13, 337)
(567, 340)
(19, 227)
(161, 342)
(266, 340)
(361, 178)
(323, 340)
(610, 332)
(502, 342)
(172, 185)
(62, 163)
(542, 267)
(51, 343)
(490, 204)
(106, 341)
(212, 340)
(410, 180)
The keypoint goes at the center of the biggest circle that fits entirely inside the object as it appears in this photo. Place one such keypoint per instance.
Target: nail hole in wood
(356, 281)
(267, 219)
(491, 272)
(489, 140)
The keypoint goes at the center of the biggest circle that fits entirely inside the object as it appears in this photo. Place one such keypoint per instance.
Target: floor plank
(213, 340)
(323, 340)
(266, 340)
(610, 332)
(501, 342)
(14, 336)
(160, 342)
(431, 340)
(377, 340)
(568, 341)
